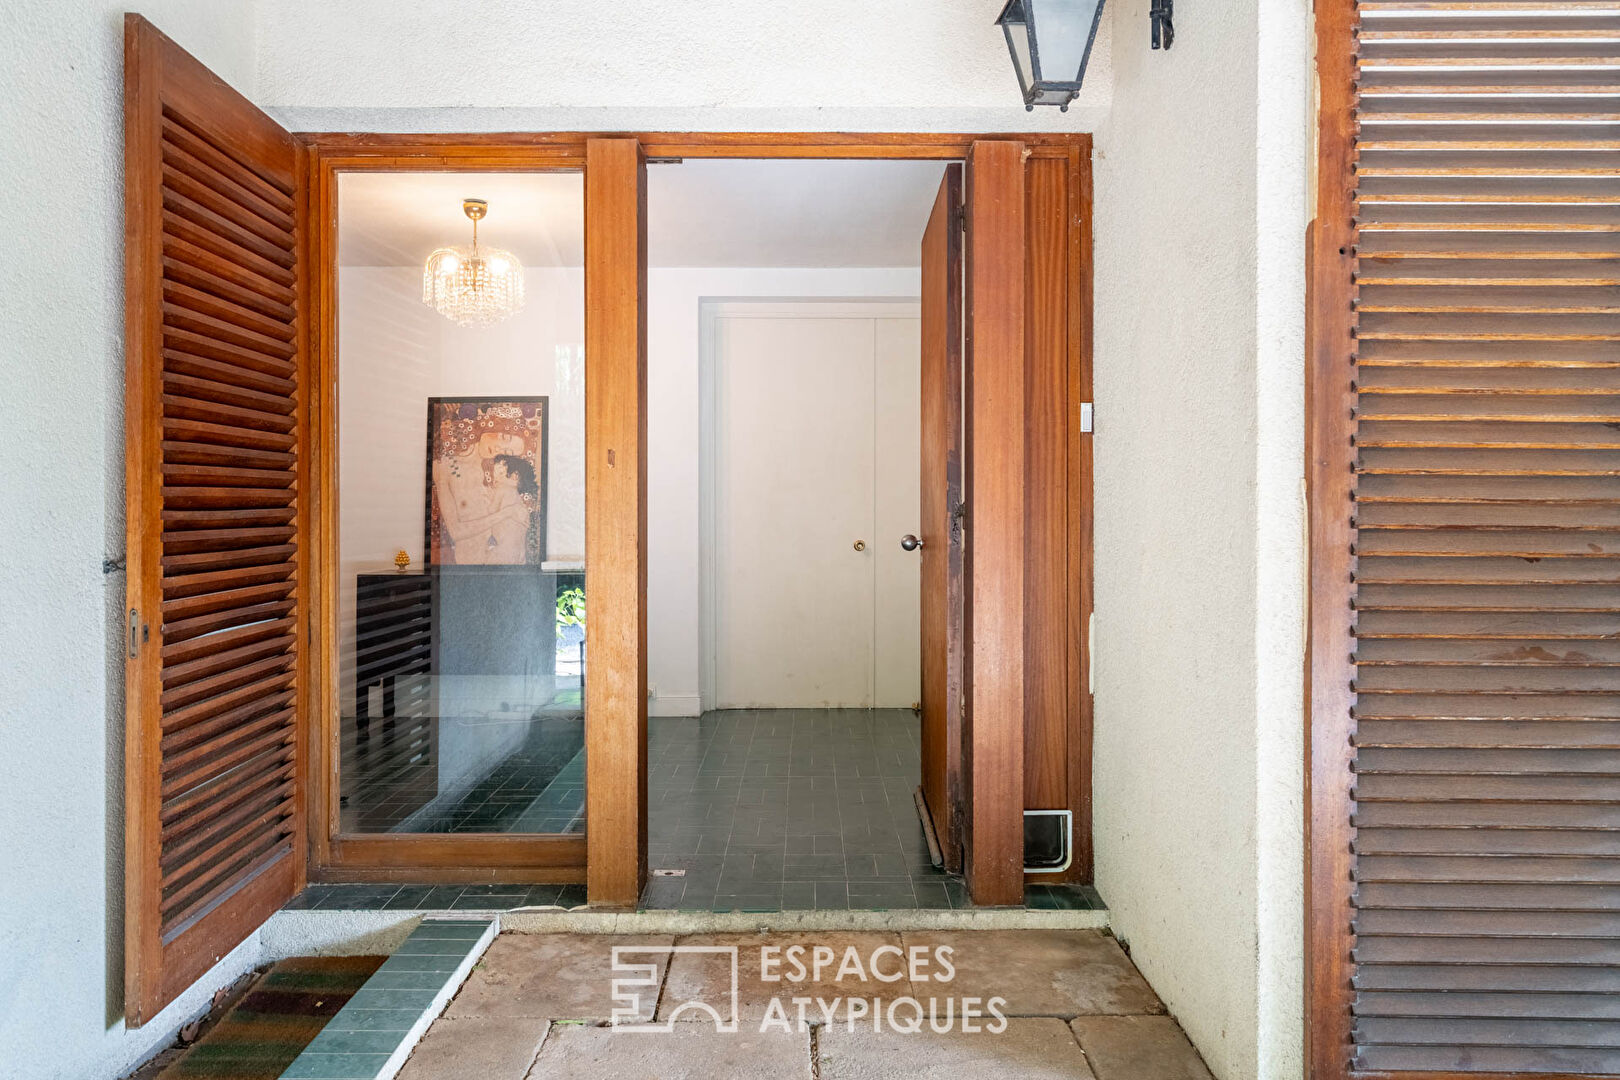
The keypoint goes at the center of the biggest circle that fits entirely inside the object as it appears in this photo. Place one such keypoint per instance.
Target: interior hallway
(795, 809)
(757, 810)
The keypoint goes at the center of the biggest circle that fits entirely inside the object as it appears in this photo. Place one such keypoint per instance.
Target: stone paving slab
(555, 976)
(688, 1052)
(1029, 1049)
(487, 1047)
(1138, 1048)
(1061, 973)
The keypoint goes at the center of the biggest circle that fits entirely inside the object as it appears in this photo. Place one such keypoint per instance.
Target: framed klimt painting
(486, 481)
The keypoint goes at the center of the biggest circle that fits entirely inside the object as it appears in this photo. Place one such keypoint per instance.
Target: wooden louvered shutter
(214, 831)
(1466, 594)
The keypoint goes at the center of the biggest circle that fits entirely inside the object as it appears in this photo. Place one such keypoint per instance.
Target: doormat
(273, 1022)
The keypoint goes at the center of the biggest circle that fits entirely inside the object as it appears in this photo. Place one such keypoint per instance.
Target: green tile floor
(759, 810)
(373, 1032)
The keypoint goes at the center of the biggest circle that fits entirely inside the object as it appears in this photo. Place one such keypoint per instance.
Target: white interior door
(897, 635)
(813, 452)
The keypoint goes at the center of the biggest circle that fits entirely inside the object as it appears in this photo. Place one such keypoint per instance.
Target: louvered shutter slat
(1486, 525)
(229, 381)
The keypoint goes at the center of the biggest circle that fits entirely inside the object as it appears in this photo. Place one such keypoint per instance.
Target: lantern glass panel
(1063, 30)
(1017, 31)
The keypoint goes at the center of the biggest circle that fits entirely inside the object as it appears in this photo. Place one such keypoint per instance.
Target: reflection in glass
(462, 608)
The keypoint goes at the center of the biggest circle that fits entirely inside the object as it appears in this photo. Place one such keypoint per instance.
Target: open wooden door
(995, 474)
(214, 831)
(942, 598)
(973, 475)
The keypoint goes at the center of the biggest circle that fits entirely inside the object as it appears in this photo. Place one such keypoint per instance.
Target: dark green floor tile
(399, 1020)
(358, 897)
(440, 928)
(541, 895)
(881, 896)
(799, 896)
(832, 895)
(379, 1041)
(310, 898)
(409, 898)
(336, 1067)
(408, 980)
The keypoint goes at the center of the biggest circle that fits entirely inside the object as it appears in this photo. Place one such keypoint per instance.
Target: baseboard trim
(674, 705)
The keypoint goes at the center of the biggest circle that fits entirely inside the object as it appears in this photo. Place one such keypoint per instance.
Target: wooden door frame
(384, 857)
(616, 872)
(1329, 459)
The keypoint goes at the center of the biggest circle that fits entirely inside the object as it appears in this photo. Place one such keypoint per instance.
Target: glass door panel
(461, 503)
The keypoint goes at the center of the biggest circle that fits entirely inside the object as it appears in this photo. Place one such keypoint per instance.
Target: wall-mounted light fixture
(1050, 42)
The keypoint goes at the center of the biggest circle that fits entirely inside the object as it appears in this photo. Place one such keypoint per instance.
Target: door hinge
(134, 633)
(1085, 418)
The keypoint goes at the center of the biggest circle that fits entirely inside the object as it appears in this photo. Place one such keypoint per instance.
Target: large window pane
(461, 675)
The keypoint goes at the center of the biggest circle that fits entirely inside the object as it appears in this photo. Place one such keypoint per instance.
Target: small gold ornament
(401, 560)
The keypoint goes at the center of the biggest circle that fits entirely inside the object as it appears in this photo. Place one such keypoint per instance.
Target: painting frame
(530, 407)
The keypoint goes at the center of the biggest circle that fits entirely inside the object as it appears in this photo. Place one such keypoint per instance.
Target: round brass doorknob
(860, 545)
(910, 542)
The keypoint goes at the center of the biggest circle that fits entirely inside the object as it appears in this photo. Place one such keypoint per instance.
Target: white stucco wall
(660, 65)
(61, 483)
(1200, 204)
(1284, 143)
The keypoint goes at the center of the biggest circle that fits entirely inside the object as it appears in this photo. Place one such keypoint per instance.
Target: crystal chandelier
(472, 285)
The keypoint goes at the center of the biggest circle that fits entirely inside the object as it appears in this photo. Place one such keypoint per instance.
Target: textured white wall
(61, 483)
(1200, 203)
(1282, 163)
(676, 65)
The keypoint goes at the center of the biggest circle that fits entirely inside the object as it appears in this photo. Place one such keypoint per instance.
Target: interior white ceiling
(699, 213)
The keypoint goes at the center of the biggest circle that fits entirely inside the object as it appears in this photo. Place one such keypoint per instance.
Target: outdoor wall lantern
(1050, 41)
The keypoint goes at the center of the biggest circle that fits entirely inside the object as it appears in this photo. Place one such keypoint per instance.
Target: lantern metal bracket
(1162, 15)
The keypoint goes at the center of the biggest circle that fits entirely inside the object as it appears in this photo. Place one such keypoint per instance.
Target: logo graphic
(627, 1015)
